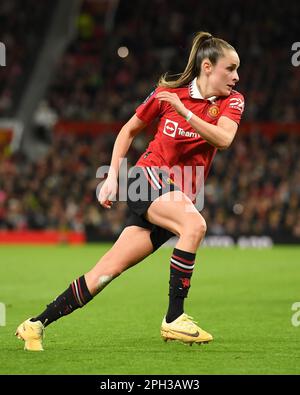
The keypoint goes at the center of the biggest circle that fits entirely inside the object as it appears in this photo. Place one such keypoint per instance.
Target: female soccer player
(198, 114)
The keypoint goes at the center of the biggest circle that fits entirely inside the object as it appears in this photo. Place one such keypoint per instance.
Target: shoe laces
(41, 330)
(189, 320)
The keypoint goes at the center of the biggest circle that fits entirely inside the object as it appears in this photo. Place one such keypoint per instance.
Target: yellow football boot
(185, 330)
(32, 333)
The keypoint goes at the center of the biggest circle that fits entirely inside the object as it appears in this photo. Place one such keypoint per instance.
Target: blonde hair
(204, 46)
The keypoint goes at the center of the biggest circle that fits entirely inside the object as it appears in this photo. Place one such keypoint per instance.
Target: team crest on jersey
(169, 181)
(213, 111)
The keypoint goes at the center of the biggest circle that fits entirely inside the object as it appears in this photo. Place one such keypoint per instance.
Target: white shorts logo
(170, 128)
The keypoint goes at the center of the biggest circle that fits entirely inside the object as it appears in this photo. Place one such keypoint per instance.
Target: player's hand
(174, 100)
(108, 192)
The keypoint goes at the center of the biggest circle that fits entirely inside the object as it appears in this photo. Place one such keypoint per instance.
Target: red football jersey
(176, 143)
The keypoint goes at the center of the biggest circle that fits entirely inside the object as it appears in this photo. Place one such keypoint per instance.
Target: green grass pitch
(243, 297)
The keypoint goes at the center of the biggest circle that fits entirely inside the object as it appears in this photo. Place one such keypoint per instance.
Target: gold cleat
(185, 330)
(32, 333)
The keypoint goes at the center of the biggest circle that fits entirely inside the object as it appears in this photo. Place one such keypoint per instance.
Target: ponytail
(204, 46)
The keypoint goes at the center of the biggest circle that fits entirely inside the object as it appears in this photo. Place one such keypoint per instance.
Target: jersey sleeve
(149, 109)
(234, 107)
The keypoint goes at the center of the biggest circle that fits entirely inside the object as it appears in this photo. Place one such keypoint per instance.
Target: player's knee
(194, 229)
(202, 227)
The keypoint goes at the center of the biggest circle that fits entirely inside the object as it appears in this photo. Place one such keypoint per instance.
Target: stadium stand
(22, 33)
(253, 188)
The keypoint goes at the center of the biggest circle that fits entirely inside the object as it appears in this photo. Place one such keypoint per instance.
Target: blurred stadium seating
(253, 188)
(22, 33)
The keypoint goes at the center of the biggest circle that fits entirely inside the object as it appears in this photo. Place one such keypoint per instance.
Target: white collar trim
(195, 93)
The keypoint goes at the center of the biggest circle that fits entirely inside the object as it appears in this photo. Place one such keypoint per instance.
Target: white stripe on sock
(77, 293)
(191, 267)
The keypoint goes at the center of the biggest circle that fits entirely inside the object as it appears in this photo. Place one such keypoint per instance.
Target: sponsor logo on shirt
(170, 128)
(237, 104)
(187, 133)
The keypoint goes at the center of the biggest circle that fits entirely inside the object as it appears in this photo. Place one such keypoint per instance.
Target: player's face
(224, 74)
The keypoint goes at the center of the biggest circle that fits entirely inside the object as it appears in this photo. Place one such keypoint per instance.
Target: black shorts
(145, 184)
(158, 235)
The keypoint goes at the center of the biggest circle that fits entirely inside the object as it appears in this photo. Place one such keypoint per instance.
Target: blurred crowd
(58, 191)
(97, 79)
(113, 63)
(253, 188)
(22, 27)
(92, 80)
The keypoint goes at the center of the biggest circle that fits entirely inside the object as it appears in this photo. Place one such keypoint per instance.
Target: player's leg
(133, 245)
(175, 212)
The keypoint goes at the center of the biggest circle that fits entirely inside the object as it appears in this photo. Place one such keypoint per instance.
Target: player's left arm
(220, 135)
(229, 129)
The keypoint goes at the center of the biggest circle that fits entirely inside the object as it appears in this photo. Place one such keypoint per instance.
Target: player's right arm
(123, 141)
(145, 114)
